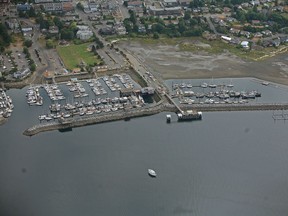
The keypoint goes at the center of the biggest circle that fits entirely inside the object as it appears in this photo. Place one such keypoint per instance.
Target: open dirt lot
(168, 61)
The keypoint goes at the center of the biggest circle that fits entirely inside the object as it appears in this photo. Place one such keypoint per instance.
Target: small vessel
(230, 85)
(152, 173)
(168, 118)
(204, 85)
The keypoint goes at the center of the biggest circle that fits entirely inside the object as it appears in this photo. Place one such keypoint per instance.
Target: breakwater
(149, 110)
(101, 118)
(236, 107)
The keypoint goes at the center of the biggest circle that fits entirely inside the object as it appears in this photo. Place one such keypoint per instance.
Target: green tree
(80, 6)
(67, 34)
(31, 12)
(27, 43)
(32, 67)
(49, 44)
(156, 35)
(5, 38)
(181, 26)
(187, 15)
(58, 23)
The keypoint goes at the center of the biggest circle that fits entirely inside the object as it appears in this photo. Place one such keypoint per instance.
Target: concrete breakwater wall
(236, 107)
(82, 121)
(151, 110)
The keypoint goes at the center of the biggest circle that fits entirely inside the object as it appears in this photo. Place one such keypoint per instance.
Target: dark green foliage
(5, 38)
(28, 43)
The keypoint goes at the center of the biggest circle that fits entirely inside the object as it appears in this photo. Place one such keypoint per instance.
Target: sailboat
(212, 85)
(230, 85)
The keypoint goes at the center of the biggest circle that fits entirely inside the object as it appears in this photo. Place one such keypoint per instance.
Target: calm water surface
(230, 163)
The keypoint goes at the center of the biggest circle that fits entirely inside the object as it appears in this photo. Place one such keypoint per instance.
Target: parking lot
(12, 62)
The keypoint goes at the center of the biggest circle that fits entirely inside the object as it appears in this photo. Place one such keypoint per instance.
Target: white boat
(230, 85)
(152, 173)
(204, 85)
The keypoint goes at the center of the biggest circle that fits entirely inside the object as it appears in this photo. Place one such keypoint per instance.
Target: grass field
(73, 55)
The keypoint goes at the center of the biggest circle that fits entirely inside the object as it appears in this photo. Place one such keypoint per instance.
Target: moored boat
(152, 173)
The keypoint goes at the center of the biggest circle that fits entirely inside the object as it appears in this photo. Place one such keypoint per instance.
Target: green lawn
(72, 55)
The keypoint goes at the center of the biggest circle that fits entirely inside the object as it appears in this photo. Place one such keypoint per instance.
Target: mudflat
(170, 62)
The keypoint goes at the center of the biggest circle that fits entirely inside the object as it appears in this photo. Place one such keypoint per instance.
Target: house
(23, 7)
(107, 31)
(278, 8)
(276, 42)
(12, 24)
(234, 31)
(170, 3)
(21, 74)
(204, 9)
(67, 6)
(83, 27)
(225, 38)
(223, 23)
(245, 5)
(84, 32)
(42, 1)
(141, 29)
(267, 43)
(147, 91)
(26, 28)
(235, 41)
(258, 35)
(255, 2)
(283, 39)
(267, 33)
(176, 11)
(245, 33)
(184, 3)
(84, 35)
(226, 9)
(245, 44)
(255, 22)
(93, 6)
(134, 4)
(53, 30)
(51, 7)
(120, 29)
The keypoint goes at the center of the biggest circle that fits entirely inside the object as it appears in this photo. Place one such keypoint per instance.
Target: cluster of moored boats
(202, 85)
(95, 106)
(6, 105)
(33, 96)
(125, 80)
(111, 83)
(225, 94)
(222, 96)
(96, 87)
(78, 89)
(54, 92)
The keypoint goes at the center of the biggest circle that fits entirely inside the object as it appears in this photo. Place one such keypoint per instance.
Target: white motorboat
(152, 173)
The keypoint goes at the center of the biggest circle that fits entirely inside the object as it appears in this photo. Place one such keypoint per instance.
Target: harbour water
(230, 163)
